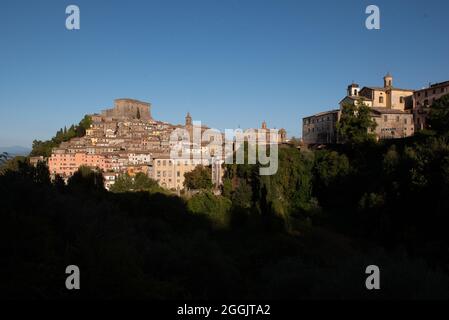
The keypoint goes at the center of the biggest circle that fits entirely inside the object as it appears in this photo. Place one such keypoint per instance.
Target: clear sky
(230, 63)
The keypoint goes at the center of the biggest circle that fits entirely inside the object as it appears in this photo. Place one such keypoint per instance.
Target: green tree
(13, 164)
(141, 182)
(83, 125)
(144, 183)
(41, 173)
(124, 183)
(44, 148)
(216, 208)
(439, 115)
(86, 180)
(331, 173)
(198, 178)
(356, 124)
(242, 195)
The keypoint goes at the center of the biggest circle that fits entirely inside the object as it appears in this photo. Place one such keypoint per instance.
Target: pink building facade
(66, 164)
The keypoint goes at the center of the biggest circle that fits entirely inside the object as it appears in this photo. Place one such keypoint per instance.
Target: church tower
(353, 89)
(188, 120)
(264, 125)
(388, 80)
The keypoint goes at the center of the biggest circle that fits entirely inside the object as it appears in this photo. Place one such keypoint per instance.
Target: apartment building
(66, 164)
(169, 173)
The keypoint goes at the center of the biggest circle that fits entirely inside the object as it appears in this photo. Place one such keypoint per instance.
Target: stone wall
(129, 109)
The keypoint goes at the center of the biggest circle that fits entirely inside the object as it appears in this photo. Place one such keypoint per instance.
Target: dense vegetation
(43, 148)
(141, 182)
(309, 231)
(199, 178)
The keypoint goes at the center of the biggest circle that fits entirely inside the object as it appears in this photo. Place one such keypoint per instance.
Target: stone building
(390, 108)
(392, 124)
(321, 128)
(169, 173)
(387, 96)
(423, 100)
(128, 109)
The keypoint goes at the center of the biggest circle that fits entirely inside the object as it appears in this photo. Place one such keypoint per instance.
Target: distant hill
(16, 150)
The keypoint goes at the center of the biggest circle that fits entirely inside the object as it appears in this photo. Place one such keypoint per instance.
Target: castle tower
(353, 89)
(130, 109)
(188, 120)
(388, 80)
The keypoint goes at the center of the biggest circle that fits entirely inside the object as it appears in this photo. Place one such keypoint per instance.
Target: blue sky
(229, 63)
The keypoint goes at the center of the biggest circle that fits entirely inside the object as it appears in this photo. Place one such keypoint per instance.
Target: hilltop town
(397, 112)
(126, 139)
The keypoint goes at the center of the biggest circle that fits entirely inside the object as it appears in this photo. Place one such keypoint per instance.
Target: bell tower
(388, 80)
(188, 120)
(353, 89)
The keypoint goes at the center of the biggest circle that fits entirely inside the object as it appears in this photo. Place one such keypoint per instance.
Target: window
(385, 118)
(405, 121)
(397, 118)
(381, 99)
(442, 90)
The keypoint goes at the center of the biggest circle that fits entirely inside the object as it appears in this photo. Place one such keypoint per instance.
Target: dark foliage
(43, 148)
(307, 232)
